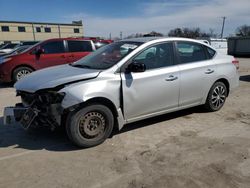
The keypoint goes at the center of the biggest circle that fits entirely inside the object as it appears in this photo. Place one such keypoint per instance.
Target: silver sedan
(124, 82)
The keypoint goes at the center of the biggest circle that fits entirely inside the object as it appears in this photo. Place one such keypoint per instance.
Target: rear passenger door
(77, 49)
(54, 54)
(197, 71)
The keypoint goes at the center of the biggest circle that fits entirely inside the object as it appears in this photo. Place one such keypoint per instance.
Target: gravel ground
(190, 148)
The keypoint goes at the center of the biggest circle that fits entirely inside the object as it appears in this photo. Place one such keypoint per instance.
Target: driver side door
(154, 91)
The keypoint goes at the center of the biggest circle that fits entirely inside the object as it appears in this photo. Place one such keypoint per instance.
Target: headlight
(3, 60)
(50, 97)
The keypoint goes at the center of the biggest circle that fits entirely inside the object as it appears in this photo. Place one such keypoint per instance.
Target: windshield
(107, 56)
(19, 50)
(9, 46)
(32, 46)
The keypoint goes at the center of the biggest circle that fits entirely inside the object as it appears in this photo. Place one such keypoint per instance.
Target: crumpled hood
(54, 76)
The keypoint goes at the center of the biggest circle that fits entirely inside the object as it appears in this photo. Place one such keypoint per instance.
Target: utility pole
(222, 29)
(59, 31)
(121, 35)
(33, 31)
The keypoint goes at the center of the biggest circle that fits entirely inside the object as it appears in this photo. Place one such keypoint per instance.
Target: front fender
(83, 91)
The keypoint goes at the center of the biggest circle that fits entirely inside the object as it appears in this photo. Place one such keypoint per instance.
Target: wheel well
(103, 101)
(225, 81)
(23, 65)
(98, 100)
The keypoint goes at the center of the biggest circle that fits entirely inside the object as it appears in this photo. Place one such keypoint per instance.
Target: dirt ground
(187, 149)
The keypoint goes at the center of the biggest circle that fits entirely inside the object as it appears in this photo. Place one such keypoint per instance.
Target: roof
(143, 39)
(45, 23)
(148, 39)
(152, 40)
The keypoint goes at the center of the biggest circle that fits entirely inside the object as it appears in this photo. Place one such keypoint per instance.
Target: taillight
(236, 63)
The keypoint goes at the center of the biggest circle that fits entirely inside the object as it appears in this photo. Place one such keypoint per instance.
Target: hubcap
(22, 74)
(92, 125)
(218, 96)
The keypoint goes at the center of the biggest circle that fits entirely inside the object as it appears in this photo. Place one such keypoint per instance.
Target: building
(13, 31)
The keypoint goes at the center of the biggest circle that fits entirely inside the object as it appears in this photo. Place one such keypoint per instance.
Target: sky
(100, 18)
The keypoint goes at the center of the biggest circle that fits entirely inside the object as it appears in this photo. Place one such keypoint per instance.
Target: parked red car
(44, 54)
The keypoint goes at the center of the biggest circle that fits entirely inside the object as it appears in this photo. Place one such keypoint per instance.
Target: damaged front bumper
(13, 114)
(39, 109)
(24, 115)
(28, 117)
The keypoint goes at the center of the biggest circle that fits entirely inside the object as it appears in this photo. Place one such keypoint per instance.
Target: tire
(20, 72)
(90, 126)
(216, 97)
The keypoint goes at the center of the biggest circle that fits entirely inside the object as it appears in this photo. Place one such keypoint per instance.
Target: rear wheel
(216, 97)
(21, 72)
(90, 126)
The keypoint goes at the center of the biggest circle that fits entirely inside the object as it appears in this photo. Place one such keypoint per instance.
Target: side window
(53, 47)
(80, 46)
(160, 55)
(211, 52)
(190, 52)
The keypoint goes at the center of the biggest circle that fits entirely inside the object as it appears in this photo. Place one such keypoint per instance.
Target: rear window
(80, 46)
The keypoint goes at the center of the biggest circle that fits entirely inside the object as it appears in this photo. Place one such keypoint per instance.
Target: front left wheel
(90, 126)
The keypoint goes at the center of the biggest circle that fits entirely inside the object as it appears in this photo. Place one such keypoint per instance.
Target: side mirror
(39, 51)
(136, 67)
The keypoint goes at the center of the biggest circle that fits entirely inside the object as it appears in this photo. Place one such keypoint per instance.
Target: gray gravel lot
(188, 149)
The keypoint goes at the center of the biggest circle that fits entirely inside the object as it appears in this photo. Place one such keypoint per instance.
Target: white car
(8, 48)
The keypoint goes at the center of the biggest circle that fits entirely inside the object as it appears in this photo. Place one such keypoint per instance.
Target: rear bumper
(234, 82)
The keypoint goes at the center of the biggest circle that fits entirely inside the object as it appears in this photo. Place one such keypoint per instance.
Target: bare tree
(177, 32)
(243, 31)
(134, 36)
(212, 34)
(187, 32)
(153, 34)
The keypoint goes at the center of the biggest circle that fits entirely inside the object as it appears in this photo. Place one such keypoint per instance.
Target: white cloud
(156, 8)
(203, 15)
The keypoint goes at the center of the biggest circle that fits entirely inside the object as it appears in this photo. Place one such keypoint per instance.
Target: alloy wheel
(22, 73)
(218, 96)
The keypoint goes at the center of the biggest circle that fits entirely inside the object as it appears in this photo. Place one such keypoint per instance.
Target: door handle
(62, 56)
(171, 78)
(209, 71)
